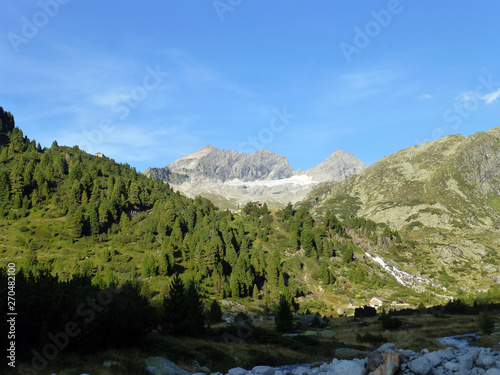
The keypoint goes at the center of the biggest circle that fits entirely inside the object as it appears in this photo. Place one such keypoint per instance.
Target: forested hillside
(81, 215)
(75, 224)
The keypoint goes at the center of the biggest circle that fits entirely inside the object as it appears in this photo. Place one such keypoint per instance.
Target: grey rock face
(236, 176)
(337, 167)
(221, 165)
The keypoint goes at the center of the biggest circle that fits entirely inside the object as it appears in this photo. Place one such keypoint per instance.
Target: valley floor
(226, 346)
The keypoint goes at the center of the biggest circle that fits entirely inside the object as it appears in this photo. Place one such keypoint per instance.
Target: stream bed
(460, 341)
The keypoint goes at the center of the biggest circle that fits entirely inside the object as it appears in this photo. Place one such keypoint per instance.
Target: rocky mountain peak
(261, 175)
(337, 167)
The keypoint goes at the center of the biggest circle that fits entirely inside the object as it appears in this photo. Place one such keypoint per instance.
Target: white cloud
(112, 97)
(491, 97)
(467, 97)
(425, 97)
(471, 96)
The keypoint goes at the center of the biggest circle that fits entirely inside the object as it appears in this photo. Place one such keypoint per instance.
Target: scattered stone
(492, 371)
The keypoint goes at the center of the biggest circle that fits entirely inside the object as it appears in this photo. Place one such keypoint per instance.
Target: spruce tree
(194, 322)
(307, 241)
(235, 284)
(174, 309)
(149, 266)
(284, 317)
(75, 222)
(93, 222)
(215, 313)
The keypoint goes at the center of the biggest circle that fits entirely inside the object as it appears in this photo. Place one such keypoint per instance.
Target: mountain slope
(231, 179)
(444, 194)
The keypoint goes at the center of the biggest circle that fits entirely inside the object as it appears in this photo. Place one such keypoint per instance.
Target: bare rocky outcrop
(231, 179)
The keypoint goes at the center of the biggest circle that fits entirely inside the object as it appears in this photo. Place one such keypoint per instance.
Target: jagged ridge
(232, 178)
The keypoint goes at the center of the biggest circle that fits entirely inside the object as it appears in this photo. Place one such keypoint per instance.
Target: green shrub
(391, 323)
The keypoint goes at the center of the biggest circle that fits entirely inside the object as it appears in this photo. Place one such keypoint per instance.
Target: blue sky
(147, 82)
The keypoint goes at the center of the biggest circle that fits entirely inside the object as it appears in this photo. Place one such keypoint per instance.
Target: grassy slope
(442, 194)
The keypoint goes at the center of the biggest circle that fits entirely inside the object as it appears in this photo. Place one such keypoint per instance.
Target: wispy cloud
(471, 96)
(491, 97)
(111, 97)
(363, 80)
(425, 97)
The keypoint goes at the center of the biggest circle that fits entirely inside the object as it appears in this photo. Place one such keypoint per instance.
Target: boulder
(312, 321)
(492, 371)
(451, 366)
(390, 364)
(237, 371)
(387, 346)
(162, 366)
(263, 370)
(374, 360)
(434, 358)
(466, 360)
(420, 366)
(344, 367)
(486, 361)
